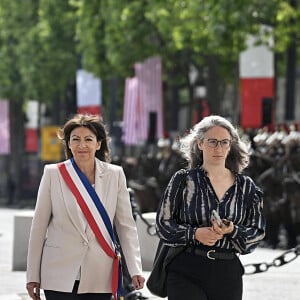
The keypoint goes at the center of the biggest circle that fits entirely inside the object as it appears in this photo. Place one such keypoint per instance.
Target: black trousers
(196, 277)
(55, 295)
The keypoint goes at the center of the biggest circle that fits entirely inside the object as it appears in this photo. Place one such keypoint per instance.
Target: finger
(135, 282)
(31, 293)
(37, 293)
(139, 282)
(33, 290)
(217, 231)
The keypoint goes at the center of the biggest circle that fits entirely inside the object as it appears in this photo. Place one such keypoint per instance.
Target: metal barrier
(283, 259)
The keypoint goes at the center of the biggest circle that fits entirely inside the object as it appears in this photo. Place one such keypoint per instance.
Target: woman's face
(83, 144)
(215, 145)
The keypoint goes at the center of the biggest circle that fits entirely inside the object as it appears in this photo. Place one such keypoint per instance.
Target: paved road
(282, 283)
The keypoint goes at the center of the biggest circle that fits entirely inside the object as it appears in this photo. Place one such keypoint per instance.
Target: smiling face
(83, 144)
(215, 146)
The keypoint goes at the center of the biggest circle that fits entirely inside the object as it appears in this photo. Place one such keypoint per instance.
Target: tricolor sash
(96, 216)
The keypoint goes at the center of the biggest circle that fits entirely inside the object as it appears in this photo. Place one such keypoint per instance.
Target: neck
(87, 168)
(216, 171)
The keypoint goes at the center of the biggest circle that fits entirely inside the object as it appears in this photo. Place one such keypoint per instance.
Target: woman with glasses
(213, 212)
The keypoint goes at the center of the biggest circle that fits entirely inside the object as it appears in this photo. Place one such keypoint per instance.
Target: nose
(219, 146)
(81, 144)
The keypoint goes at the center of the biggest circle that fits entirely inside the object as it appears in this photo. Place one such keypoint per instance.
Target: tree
(207, 34)
(49, 57)
(37, 47)
(14, 19)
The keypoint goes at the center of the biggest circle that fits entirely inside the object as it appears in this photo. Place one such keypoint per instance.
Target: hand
(207, 236)
(226, 227)
(138, 282)
(33, 289)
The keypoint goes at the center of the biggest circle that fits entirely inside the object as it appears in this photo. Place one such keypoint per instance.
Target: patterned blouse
(187, 204)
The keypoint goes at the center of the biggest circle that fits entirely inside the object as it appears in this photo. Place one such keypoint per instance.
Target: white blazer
(60, 245)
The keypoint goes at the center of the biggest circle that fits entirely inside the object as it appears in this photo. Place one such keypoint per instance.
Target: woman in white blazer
(65, 258)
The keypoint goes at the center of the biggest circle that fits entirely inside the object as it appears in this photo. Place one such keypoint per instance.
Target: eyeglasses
(213, 143)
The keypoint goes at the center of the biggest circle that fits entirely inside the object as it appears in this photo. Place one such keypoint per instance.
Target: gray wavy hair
(238, 157)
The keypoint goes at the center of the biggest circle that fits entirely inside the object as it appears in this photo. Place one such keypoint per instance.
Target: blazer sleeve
(126, 228)
(39, 227)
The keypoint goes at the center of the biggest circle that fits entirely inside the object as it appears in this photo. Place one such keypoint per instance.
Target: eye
(225, 143)
(212, 142)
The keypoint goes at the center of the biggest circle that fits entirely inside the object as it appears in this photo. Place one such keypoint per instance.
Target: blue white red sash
(96, 216)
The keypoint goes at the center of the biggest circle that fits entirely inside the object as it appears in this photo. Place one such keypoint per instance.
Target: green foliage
(113, 35)
(11, 32)
(41, 41)
(38, 48)
(52, 59)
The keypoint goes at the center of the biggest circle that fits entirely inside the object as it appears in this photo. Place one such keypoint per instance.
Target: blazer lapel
(102, 178)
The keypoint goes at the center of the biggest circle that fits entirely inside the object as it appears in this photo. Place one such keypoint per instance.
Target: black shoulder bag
(157, 281)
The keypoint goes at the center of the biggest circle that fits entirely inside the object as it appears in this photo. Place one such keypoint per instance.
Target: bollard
(22, 224)
(148, 242)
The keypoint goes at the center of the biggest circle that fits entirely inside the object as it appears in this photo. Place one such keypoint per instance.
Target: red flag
(31, 144)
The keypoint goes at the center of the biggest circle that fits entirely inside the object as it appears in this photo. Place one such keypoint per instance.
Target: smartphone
(216, 218)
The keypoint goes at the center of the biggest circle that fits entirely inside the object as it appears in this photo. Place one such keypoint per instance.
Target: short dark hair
(95, 124)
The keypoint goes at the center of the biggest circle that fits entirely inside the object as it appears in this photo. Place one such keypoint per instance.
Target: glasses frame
(221, 142)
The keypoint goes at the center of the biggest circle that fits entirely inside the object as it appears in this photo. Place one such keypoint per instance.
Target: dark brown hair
(93, 123)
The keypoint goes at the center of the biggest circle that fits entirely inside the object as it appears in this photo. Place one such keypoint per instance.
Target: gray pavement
(277, 283)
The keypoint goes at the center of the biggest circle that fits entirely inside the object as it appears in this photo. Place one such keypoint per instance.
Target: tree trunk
(290, 83)
(214, 85)
(291, 74)
(17, 143)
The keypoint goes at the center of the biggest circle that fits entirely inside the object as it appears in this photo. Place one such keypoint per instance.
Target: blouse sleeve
(168, 229)
(247, 234)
